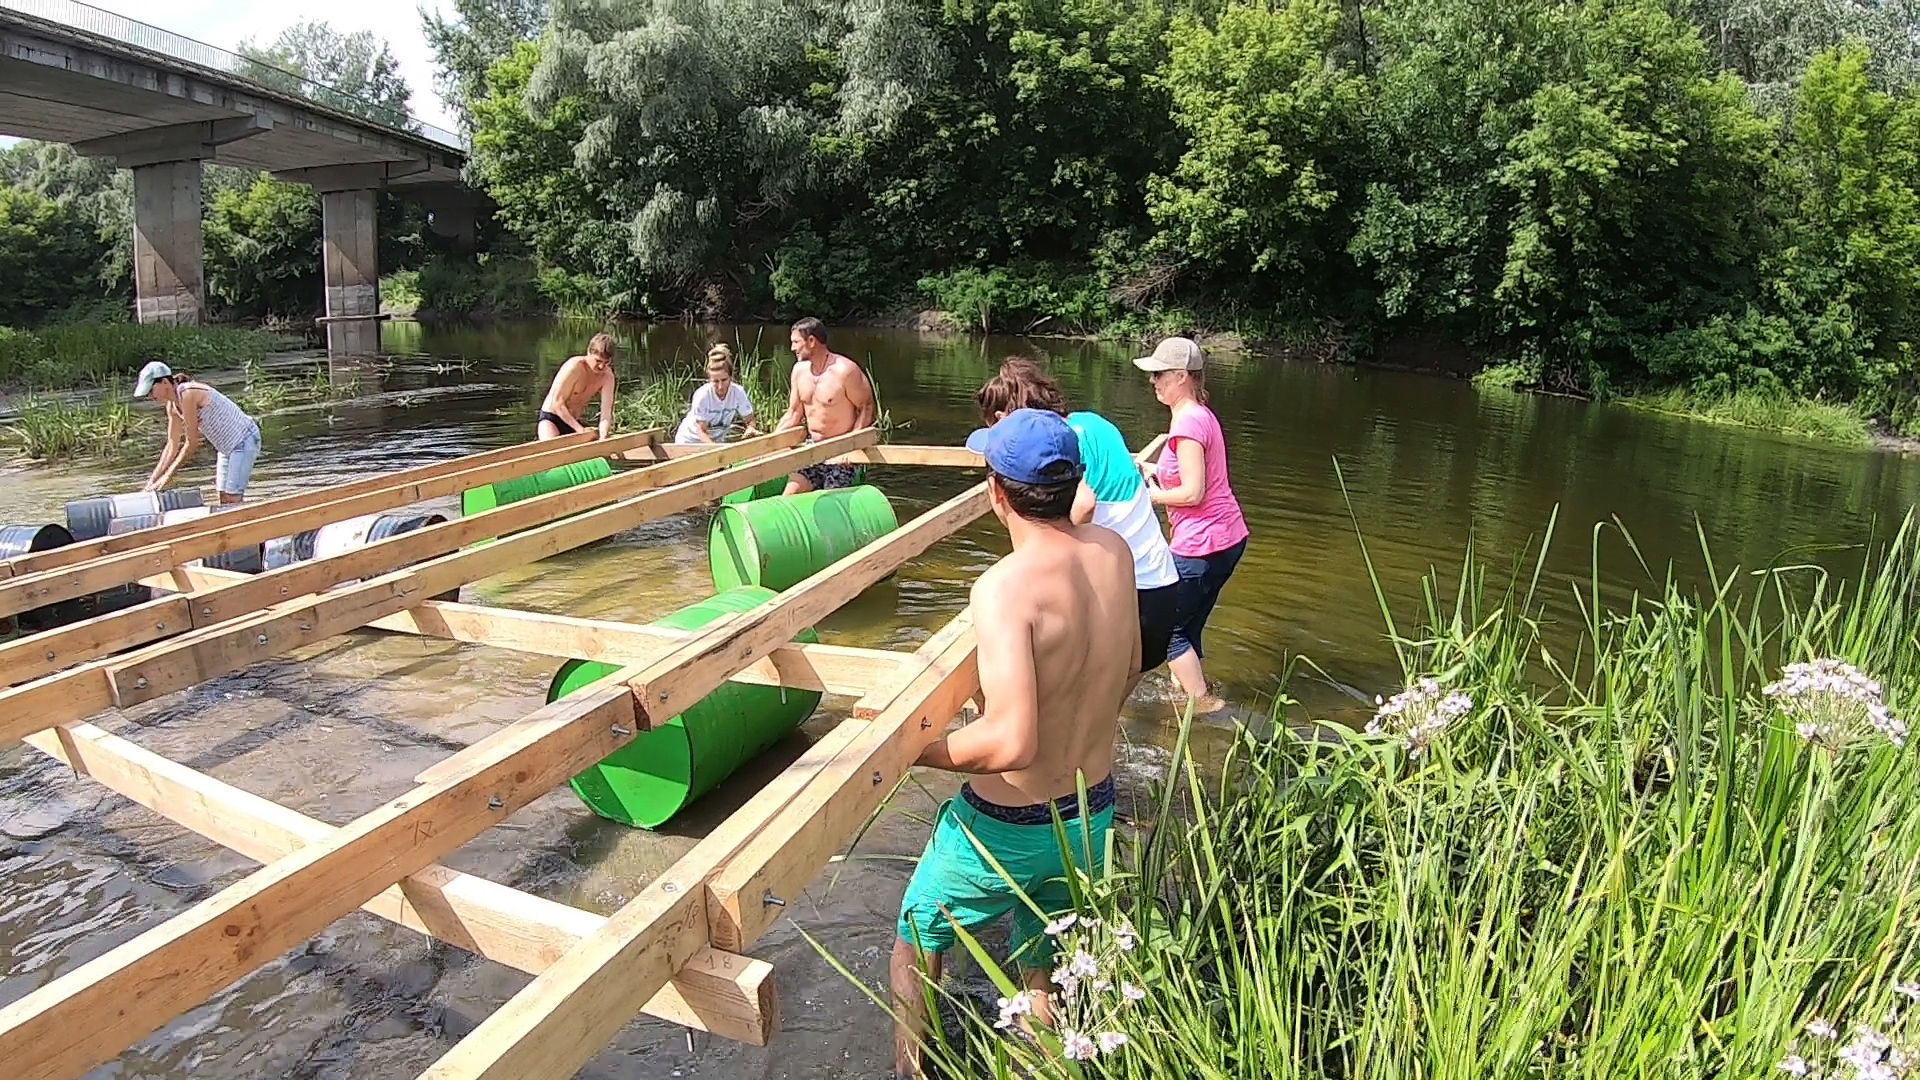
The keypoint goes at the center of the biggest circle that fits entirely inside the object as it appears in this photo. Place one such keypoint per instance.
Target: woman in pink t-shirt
(1209, 532)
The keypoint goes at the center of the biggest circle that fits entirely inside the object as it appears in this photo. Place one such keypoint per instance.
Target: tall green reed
(1627, 860)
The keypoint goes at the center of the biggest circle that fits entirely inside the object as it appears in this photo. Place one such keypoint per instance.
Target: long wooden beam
(843, 670)
(728, 995)
(558, 1022)
(92, 1013)
(697, 667)
(217, 533)
(78, 693)
(31, 657)
(107, 545)
(785, 855)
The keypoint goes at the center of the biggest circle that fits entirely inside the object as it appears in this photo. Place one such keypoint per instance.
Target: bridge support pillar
(169, 282)
(350, 254)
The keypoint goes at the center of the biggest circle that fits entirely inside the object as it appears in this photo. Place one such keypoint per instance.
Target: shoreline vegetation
(1689, 848)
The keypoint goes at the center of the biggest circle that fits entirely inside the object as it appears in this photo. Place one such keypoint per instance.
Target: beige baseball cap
(1173, 354)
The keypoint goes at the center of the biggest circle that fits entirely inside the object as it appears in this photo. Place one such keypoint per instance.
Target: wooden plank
(958, 457)
(25, 658)
(728, 995)
(687, 674)
(217, 533)
(558, 1022)
(108, 545)
(80, 692)
(883, 694)
(830, 669)
(1152, 450)
(696, 667)
(785, 855)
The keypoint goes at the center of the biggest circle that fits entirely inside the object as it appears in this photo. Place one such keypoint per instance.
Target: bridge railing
(106, 24)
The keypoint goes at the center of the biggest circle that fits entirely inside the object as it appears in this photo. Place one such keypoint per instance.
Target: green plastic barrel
(777, 543)
(767, 489)
(487, 496)
(652, 778)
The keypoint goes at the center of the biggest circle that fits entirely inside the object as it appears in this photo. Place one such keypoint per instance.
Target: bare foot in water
(1206, 703)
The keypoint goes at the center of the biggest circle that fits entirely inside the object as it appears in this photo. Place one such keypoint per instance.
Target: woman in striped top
(195, 409)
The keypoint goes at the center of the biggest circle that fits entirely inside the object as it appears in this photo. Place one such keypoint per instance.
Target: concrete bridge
(160, 105)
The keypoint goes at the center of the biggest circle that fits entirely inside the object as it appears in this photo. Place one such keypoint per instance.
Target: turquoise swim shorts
(953, 875)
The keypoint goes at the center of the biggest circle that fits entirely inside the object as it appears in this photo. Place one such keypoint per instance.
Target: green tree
(1267, 117)
(262, 249)
(101, 193)
(354, 73)
(51, 251)
(480, 34)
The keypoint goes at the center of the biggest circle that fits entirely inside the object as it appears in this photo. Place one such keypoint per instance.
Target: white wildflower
(1909, 990)
(1061, 925)
(1101, 986)
(1794, 1065)
(1083, 965)
(1132, 992)
(1077, 1047)
(1111, 1041)
(1020, 1004)
(1418, 714)
(1068, 982)
(1124, 936)
(1822, 1029)
(1830, 702)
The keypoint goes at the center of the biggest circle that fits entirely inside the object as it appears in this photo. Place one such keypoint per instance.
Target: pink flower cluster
(1870, 1055)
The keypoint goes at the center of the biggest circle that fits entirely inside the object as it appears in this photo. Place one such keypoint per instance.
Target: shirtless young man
(574, 385)
(831, 396)
(1059, 641)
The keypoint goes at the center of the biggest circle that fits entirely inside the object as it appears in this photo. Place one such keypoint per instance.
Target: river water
(1427, 463)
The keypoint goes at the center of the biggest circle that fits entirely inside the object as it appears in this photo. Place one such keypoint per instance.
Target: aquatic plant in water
(1832, 703)
(1418, 714)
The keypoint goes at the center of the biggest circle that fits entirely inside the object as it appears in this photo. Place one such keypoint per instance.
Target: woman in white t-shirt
(718, 404)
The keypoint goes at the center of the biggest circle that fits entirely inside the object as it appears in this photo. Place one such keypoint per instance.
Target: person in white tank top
(195, 411)
(1112, 495)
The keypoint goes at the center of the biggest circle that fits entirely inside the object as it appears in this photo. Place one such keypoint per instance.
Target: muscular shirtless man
(830, 395)
(574, 385)
(1059, 637)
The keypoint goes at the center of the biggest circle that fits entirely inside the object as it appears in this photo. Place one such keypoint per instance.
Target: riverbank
(90, 354)
(1676, 857)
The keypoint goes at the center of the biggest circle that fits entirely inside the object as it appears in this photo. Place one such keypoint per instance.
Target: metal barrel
(91, 519)
(649, 780)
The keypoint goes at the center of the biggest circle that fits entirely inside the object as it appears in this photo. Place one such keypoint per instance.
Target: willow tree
(697, 126)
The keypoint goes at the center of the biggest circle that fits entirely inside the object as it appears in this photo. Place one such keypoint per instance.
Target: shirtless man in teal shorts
(1059, 637)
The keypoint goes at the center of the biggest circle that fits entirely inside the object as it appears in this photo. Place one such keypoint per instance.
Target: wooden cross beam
(730, 996)
(217, 533)
(80, 692)
(92, 1013)
(566, 1015)
(39, 654)
(36, 562)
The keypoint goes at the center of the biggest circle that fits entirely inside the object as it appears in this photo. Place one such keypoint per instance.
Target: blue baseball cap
(1030, 446)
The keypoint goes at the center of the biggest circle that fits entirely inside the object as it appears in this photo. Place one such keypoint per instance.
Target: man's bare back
(1059, 615)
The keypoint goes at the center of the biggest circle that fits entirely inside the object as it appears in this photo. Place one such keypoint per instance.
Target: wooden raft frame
(676, 946)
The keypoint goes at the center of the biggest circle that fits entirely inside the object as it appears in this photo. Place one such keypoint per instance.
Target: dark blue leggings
(1201, 579)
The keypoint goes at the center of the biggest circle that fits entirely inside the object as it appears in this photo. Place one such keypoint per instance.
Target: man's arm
(865, 407)
(795, 414)
(1007, 735)
(606, 406)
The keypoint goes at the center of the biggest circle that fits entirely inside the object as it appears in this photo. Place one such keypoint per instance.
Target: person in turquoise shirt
(1112, 495)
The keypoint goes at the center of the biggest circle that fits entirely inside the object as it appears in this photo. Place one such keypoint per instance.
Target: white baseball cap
(152, 373)
(1173, 354)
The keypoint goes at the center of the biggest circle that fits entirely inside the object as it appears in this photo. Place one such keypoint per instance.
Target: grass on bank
(63, 357)
(1826, 421)
(1662, 853)
(52, 428)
